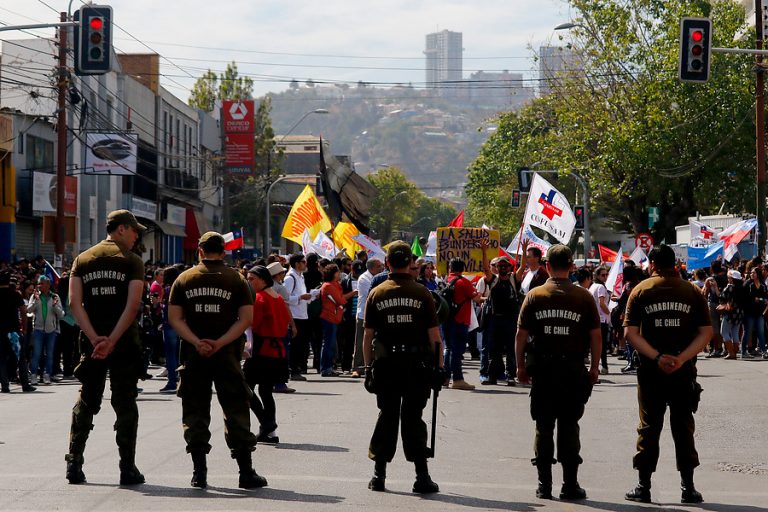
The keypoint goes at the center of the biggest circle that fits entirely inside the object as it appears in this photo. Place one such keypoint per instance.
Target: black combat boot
(129, 473)
(75, 473)
(690, 494)
(642, 492)
(249, 479)
(379, 476)
(571, 490)
(544, 489)
(74, 460)
(424, 483)
(200, 470)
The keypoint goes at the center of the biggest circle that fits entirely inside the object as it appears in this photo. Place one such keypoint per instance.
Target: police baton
(435, 394)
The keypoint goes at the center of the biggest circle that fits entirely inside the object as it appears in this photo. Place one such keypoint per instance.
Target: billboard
(111, 153)
(44, 193)
(238, 126)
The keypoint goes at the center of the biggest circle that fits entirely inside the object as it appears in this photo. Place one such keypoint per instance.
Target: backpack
(447, 294)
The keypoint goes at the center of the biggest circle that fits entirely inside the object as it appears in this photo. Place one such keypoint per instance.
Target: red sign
(644, 241)
(238, 125)
(239, 151)
(238, 116)
(70, 195)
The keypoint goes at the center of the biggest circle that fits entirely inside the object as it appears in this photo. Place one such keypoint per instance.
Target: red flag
(458, 222)
(607, 255)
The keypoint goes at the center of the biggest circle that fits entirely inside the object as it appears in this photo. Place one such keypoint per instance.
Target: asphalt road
(484, 449)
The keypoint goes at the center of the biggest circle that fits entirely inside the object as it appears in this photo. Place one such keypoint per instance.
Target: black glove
(438, 379)
(370, 385)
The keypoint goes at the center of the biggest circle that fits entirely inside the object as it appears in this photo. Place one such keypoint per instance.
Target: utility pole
(61, 127)
(760, 128)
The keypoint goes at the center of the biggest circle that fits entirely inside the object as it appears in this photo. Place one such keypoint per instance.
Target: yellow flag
(342, 237)
(306, 214)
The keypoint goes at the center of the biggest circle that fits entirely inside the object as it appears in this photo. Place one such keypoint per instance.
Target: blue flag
(702, 257)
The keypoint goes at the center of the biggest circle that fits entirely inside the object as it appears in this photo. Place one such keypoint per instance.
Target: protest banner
(464, 243)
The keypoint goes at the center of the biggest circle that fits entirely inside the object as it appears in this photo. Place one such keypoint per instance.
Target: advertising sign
(464, 243)
(111, 153)
(238, 126)
(44, 193)
(144, 208)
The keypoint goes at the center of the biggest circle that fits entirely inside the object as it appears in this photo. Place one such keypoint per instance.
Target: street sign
(653, 216)
(644, 241)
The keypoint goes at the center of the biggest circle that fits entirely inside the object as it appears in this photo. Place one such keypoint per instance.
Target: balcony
(182, 182)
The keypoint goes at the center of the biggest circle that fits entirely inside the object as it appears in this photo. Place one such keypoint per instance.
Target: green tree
(397, 199)
(401, 207)
(623, 120)
(229, 85)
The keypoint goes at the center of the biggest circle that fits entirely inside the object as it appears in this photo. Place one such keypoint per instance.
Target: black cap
(399, 254)
(560, 257)
(123, 218)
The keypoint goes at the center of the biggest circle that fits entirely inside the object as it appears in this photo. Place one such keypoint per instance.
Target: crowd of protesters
(325, 302)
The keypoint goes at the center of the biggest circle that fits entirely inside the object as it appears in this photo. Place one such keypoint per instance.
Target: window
(39, 153)
(165, 139)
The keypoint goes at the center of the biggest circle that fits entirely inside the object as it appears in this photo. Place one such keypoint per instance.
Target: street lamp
(297, 123)
(267, 230)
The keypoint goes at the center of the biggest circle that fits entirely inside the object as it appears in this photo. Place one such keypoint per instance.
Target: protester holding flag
(532, 274)
(731, 308)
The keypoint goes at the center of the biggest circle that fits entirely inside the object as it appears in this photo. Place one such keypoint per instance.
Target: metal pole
(61, 127)
(39, 25)
(760, 128)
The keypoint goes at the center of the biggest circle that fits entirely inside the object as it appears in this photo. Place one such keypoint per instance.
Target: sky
(334, 40)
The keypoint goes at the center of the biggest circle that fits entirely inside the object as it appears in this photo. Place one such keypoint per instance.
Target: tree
(395, 203)
(400, 206)
(622, 119)
(229, 85)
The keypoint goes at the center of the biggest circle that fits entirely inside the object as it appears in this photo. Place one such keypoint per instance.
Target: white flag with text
(549, 210)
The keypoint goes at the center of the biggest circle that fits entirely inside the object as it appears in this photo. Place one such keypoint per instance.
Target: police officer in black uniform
(210, 307)
(105, 290)
(558, 323)
(401, 347)
(667, 321)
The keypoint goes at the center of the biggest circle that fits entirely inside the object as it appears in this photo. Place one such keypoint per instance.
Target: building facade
(444, 60)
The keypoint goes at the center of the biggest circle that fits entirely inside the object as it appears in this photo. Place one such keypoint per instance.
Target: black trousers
(655, 392)
(557, 399)
(300, 346)
(402, 391)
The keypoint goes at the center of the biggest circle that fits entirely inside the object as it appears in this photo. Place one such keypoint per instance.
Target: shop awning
(170, 229)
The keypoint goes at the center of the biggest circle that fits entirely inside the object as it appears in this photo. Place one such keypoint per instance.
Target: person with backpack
(459, 294)
(501, 309)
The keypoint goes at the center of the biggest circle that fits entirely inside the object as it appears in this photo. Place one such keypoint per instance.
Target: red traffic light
(697, 36)
(96, 23)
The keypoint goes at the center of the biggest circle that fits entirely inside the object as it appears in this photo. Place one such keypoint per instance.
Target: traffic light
(695, 49)
(524, 176)
(578, 212)
(93, 40)
(515, 202)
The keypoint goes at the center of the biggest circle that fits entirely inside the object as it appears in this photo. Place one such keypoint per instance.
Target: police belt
(404, 348)
(558, 357)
